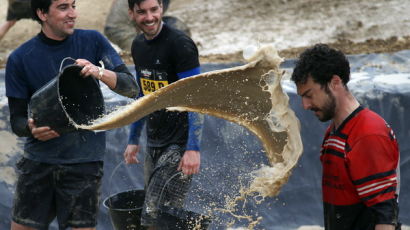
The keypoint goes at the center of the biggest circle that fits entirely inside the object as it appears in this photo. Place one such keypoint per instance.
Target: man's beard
(328, 109)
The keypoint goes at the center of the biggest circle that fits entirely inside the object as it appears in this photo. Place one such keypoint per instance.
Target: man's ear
(161, 6)
(335, 82)
(130, 15)
(41, 15)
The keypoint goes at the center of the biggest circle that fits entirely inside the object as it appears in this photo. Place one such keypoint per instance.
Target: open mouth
(149, 24)
(70, 23)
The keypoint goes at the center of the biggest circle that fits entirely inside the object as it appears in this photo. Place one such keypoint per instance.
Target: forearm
(385, 227)
(195, 122)
(135, 132)
(121, 81)
(109, 78)
(19, 126)
(18, 116)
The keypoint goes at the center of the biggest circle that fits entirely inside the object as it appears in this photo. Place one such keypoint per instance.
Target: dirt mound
(392, 44)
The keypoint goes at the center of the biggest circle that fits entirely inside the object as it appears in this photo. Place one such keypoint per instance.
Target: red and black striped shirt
(360, 162)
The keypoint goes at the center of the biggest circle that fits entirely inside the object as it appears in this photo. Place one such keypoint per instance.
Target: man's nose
(72, 12)
(150, 16)
(306, 103)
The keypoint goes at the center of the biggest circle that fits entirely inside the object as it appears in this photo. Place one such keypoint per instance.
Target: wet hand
(131, 153)
(44, 133)
(190, 162)
(89, 69)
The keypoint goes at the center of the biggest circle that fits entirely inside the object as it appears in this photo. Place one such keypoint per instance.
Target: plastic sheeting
(229, 152)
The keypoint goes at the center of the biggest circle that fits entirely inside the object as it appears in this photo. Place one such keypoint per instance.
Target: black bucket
(171, 218)
(66, 100)
(125, 209)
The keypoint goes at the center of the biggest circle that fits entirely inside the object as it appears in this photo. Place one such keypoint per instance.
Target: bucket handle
(62, 62)
(122, 162)
(166, 184)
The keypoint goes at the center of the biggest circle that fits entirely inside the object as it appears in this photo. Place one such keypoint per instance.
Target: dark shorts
(18, 9)
(164, 185)
(69, 192)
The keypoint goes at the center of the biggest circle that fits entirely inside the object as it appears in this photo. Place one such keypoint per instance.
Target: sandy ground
(222, 29)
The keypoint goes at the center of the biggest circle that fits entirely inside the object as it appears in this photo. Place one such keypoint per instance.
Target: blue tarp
(380, 82)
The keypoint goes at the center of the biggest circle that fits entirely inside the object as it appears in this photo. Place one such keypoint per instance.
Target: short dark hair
(132, 3)
(42, 5)
(321, 62)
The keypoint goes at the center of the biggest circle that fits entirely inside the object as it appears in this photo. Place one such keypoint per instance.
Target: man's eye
(307, 96)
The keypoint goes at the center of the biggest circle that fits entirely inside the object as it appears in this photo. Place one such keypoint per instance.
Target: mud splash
(250, 95)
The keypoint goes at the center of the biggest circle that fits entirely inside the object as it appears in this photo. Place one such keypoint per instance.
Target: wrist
(100, 70)
(100, 73)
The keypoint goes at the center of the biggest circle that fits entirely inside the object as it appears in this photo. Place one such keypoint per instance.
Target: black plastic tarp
(229, 152)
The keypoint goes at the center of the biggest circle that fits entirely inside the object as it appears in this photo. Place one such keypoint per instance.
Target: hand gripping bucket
(67, 99)
(125, 209)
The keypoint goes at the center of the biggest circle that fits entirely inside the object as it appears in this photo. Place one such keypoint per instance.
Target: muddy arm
(18, 116)
(126, 84)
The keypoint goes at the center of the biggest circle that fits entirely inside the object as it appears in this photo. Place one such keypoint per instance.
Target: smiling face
(148, 17)
(317, 98)
(59, 21)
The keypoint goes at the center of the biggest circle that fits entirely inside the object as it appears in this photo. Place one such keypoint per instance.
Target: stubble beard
(328, 109)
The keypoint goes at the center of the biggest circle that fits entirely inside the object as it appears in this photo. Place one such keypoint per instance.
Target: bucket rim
(71, 121)
(115, 194)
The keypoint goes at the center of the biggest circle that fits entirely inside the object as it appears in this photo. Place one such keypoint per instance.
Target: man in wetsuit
(163, 55)
(359, 155)
(59, 174)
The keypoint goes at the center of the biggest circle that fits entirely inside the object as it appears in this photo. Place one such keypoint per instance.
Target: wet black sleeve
(186, 56)
(126, 83)
(18, 116)
(386, 212)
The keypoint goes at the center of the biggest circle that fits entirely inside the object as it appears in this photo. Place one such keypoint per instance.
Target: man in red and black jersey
(359, 155)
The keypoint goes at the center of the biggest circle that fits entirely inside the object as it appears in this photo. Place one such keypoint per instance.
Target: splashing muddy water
(249, 95)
